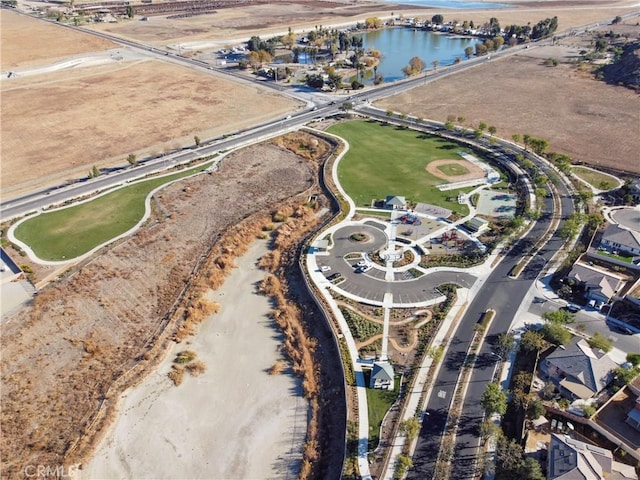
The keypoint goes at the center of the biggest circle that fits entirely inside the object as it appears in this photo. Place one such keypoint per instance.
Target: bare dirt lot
(86, 330)
(471, 171)
(100, 115)
(27, 41)
(589, 120)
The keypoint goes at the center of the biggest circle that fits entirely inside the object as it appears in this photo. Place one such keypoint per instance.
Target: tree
(598, 340)
(506, 342)
(130, 12)
(289, 40)
(373, 22)
(618, 19)
(437, 19)
(531, 340)
(346, 106)
(556, 333)
(494, 400)
(315, 81)
(196, 140)
(531, 470)
(489, 429)
(468, 52)
(516, 138)
(492, 130)
(624, 376)
(410, 427)
(482, 126)
(94, 172)
(131, 158)
(416, 65)
(435, 64)
(536, 409)
(508, 458)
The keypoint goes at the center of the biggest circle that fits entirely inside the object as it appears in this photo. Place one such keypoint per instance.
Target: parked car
(366, 268)
(361, 263)
(333, 276)
(325, 268)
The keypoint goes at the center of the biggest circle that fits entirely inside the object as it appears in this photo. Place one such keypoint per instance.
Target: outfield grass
(74, 231)
(598, 180)
(387, 160)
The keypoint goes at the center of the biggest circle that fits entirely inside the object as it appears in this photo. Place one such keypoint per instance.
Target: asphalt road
(505, 296)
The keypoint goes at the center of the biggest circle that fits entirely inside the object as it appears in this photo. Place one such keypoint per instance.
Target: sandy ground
(234, 421)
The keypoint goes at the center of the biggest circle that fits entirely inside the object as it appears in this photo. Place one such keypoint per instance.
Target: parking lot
(371, 285)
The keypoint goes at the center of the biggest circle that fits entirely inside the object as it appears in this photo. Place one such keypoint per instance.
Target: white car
(361, 263)
(366, 268)
(325, 268)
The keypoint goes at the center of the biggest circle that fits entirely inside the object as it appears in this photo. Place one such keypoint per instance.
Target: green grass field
(598, 180)
(378, 404)
(71, 232)
(386, 160)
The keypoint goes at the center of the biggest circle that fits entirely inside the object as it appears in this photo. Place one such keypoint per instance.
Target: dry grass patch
(97, 124)
(196, 369)
(176, 375)
(27, 41)
(278, 367)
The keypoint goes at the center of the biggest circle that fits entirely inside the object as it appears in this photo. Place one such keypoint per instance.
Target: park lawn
(71, 232)
(598, 180)
(378, 404)
(387, 160)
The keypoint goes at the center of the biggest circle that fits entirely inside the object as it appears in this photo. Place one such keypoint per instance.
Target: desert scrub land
(80, 335)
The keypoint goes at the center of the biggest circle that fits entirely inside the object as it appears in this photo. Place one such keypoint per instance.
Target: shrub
(196, 368)
(278, 367)
(588, 411)
(600, 341)
(185, 356)
(176, 375)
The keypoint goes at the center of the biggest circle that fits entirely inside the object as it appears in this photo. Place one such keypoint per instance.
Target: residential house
(382, 376)
(395, 203)
(620, 240)
(579, 371)
(600, 285)
(633, 416)
(570, 459)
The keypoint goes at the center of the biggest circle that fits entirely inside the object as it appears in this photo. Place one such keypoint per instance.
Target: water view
(398, 45)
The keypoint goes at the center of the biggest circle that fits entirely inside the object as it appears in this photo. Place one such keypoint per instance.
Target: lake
(399, 44)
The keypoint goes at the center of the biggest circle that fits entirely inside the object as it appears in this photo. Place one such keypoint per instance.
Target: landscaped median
(70, 232)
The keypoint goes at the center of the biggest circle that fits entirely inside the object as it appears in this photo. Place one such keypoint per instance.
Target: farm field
(386, 160)
(91, 223)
